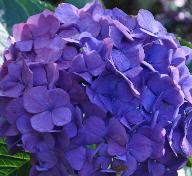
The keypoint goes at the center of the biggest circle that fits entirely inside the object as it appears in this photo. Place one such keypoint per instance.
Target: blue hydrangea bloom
(94, 91)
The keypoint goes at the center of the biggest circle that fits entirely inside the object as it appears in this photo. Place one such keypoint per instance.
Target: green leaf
(93, 146)
(16, 11)
(34, 6)
(189, 163)
(3, 41)
(184, 42)
(13, 165)
(43, 5)
(12, 12)
(78, 3)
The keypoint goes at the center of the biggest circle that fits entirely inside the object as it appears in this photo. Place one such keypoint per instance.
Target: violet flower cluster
(96, 92)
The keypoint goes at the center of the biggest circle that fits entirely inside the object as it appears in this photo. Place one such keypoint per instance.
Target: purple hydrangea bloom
(47, 106)
(94, 91)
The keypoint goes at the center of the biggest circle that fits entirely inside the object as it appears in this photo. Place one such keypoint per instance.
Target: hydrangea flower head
(94, 91)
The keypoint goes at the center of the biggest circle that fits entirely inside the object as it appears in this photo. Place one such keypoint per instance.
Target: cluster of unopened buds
(96, 92)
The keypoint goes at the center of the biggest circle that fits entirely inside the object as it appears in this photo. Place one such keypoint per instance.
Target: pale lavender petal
(42, 122)
(61, 116)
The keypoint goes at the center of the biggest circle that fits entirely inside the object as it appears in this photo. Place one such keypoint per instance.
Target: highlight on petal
(42, 122)
(67, 13)
(61, 116)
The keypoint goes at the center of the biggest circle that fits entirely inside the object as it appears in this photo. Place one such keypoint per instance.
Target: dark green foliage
(78, 3)
(13, 165)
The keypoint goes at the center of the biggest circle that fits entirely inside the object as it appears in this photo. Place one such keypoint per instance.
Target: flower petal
(34, 99)
(76, 157)
(140, 147)
(57, 98)
(67, 14)
(61, 116)
(42, 122)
